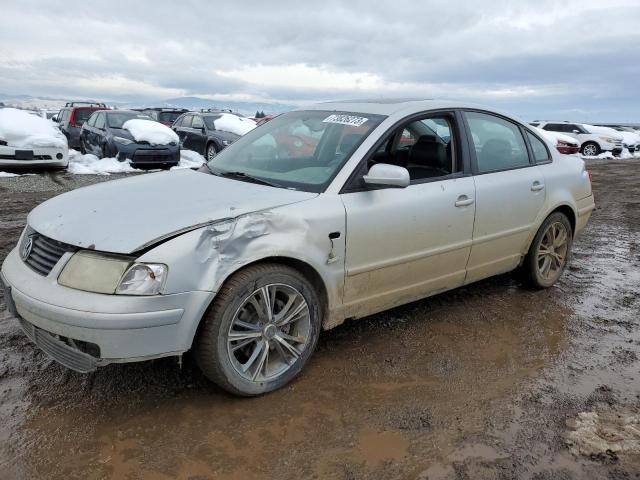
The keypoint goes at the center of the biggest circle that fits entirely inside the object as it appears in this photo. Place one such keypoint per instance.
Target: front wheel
(261, 330)
(212, 151)
(591, 149)
(549, 252)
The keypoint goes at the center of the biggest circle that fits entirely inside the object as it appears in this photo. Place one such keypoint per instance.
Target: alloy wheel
(211, 152)
(269, 332)
(590, 150)
(552, 251)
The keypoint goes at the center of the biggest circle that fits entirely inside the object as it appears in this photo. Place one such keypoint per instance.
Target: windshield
(117, 119)
(82, 114)
(169, 117)
(302, 150)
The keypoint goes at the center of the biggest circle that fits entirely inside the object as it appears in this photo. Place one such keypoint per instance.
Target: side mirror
(387, 175)
(54, 119)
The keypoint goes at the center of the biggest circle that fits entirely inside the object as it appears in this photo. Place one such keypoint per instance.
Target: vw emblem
(26, 248)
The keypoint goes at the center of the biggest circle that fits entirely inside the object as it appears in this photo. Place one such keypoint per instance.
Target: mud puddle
(475, 383)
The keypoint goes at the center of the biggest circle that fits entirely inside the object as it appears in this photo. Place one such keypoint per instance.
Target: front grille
(64, 350)
(43, 252)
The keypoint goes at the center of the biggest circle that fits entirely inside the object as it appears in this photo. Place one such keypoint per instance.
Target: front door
(403, 244)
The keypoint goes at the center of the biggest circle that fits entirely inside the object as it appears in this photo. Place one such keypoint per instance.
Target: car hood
(124, 216)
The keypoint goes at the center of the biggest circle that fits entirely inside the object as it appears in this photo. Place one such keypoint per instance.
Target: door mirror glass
(387, 175)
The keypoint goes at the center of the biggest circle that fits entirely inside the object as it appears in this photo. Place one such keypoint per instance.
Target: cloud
(579, 55)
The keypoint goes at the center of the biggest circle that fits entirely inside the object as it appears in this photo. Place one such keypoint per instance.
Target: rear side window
(168, 117)
(540, 152)
(498, 143)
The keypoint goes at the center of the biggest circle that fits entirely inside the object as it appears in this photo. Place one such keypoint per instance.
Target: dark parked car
(197, 131)
(104, 136)
(71, 118)
(166, 116)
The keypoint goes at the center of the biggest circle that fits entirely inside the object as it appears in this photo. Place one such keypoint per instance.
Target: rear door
(510, 193)
(98, 135)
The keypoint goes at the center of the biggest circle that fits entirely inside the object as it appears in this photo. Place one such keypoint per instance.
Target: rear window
(82, 115)
(169, 117)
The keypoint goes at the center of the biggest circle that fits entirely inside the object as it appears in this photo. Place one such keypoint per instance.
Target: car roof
(390, 106)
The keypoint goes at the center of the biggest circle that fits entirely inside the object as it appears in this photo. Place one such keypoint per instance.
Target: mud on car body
(267, 246)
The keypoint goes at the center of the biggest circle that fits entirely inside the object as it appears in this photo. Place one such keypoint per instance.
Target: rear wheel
(261, 330)
(549, 252)
(591, 149)
(212, 151)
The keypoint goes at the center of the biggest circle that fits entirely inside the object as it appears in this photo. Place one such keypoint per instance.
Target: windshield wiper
(248, 178)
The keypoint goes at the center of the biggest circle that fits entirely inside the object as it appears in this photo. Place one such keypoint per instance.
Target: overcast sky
(570, 59)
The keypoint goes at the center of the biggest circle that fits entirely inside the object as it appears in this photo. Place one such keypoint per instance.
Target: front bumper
(51, 157)
(149, 156)
(61, 321)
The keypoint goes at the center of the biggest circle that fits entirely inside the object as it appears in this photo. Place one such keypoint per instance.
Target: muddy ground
(490, 381)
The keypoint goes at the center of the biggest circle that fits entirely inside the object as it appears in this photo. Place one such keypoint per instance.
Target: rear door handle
(537, 186)
(463, 201)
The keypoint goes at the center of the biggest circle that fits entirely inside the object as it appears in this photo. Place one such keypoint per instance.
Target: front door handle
(463, 201)
(537, 186)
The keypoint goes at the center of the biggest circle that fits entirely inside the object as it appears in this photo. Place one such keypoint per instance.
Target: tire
(543, 270)
(590, 149)
(211, 152)
(234, 312)
(83, 150)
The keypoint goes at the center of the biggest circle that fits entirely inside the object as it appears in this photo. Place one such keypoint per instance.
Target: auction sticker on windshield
(346, 120)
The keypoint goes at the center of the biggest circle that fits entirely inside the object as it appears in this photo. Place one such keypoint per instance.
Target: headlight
(122, 140)
(94, 272)
(143, 279)
(109, 274)
(226, 142)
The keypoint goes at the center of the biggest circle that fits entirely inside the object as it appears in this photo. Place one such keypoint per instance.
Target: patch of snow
(602, 156)
(234, 124)
(150, 131)
(89, 164)
(625, 155)
(189, 159)
(7, 174)
(602, 435)
(23, 130)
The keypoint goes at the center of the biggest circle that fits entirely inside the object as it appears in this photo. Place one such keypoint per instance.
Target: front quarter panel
(203, 260)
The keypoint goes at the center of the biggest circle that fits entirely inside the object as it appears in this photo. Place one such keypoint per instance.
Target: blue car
(102, 135)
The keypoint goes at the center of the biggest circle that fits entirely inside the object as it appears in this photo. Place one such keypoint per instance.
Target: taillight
(589, 174)
(72, 119)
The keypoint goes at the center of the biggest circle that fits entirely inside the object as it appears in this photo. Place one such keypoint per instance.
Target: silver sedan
(334, 212)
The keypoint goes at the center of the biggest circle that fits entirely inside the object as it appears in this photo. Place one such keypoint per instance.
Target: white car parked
(29, 141)
(630, 137)
(387, 202)
(592, 142)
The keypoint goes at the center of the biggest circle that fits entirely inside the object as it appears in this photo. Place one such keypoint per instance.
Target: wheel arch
(565, 208)
(303, 267)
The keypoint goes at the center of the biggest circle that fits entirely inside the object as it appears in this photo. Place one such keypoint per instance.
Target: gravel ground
(489, 381)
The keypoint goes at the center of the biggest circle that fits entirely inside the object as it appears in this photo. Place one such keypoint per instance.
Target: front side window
(92, 120)
(498, 143)
(186, 121)
(197, 122)
(540, 152)
(302, 150)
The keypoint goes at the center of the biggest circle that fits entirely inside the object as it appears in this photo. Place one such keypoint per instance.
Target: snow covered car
(564, 143)
(30, 141)
(130, 135)
(592, 143)
(208, 133)
(247, 259)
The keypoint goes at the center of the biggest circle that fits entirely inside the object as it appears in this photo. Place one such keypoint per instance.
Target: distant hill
(194, 103)
(247, 108)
